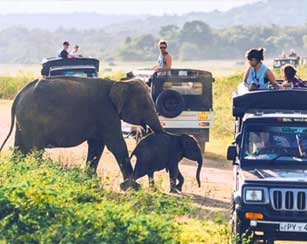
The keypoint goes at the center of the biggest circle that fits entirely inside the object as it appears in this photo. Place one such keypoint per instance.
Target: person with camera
(258, 75)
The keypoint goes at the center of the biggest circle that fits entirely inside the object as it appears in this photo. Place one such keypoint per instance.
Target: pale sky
(131, 7)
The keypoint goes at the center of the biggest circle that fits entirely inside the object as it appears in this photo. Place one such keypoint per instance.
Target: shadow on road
(207, 202)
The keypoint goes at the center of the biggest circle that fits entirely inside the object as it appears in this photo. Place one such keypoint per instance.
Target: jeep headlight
(255, 195)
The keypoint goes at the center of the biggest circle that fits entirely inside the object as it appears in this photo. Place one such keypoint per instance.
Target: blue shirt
(258, 77)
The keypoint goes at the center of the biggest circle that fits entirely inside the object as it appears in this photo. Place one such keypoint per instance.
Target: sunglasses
(163, 47)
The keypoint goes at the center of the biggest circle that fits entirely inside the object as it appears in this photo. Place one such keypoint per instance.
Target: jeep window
(277, 63)
(275, 142)
(78, 73)
(184, 88)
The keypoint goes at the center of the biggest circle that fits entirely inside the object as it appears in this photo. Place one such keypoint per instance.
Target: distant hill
(268, 12)
(67, 21)
(276, 25)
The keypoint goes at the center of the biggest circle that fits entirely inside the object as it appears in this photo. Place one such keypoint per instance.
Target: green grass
(221, 135)
(10, 85)
(42, 202)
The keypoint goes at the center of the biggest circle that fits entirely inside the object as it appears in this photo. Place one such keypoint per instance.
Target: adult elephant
(66, 111)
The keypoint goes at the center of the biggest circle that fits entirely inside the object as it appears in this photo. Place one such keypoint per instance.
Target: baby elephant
(164, 151)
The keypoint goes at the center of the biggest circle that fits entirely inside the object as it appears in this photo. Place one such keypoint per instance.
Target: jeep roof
(178, 72)
(270, 100)
(286, 58)
(270, 115)
(72, 67)
(51, 63)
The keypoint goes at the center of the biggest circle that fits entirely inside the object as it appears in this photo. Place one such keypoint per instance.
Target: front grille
(289, 199)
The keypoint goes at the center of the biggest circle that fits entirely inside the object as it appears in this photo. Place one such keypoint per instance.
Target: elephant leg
(120, 152)
(116, 144)
(25, 144)
(173, 175)
(20, 146)
(151, 179)
(181, 180)
(95, 150)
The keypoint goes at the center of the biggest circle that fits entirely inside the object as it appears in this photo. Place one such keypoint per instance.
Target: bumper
(269, 227)
(189, 120)
(188, 124)
(271, 231)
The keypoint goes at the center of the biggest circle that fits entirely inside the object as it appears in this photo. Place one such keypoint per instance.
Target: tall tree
(196, 32)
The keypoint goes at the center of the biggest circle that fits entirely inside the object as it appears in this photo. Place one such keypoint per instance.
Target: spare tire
(170, 103)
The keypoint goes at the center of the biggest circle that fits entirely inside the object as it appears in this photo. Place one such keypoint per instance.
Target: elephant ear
(118, 95)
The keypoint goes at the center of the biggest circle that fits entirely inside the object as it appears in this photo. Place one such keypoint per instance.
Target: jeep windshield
(74, 72)
(275, 143)
(184, 88)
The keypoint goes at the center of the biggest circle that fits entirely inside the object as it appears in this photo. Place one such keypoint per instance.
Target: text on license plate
(293, 227)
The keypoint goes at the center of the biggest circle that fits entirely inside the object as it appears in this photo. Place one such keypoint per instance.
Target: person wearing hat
(75, 53)
(258, 75)
(64, 53)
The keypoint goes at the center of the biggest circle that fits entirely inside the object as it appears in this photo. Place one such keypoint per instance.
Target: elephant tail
(200, 164)
(13, 112)
(13, 109)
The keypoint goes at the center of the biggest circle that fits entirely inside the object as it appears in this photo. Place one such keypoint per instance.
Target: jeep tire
(170, 103)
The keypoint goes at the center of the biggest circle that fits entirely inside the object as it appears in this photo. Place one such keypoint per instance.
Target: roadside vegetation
(10, 85)
(43, 202)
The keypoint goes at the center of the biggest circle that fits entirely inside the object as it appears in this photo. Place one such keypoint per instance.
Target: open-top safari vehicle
(279, 62)
(183, 99)
(81, 67)
(269, 156)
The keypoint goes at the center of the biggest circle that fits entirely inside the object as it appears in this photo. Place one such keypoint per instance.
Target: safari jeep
(279, 62)
(81, 67)
(269, 155)
(183, 99)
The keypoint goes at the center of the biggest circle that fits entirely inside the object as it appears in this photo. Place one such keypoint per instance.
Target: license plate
(293, 227)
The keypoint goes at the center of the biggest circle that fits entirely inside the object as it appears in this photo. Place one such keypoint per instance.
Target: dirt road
(216, 176)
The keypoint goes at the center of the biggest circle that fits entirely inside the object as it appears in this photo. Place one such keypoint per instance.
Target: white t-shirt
(75, 53)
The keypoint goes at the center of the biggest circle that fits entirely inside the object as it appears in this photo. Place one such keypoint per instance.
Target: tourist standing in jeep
(165, 59)
(64, 53)
(258, 75)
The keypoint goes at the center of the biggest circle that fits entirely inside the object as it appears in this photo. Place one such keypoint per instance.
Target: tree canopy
(195, 40)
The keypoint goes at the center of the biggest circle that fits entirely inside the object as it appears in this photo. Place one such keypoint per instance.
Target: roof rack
(182, 72)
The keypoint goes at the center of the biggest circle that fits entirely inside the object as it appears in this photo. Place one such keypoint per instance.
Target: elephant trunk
(155, 125)
(200, 163)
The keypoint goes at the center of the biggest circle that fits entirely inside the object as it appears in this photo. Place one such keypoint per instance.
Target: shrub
(40, 202)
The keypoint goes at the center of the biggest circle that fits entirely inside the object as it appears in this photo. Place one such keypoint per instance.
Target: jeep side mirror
(232, 153)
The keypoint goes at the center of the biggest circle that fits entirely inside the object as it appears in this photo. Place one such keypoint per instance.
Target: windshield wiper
(280, 156)
(294, 157)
